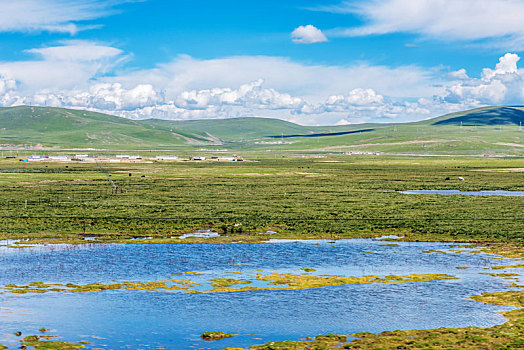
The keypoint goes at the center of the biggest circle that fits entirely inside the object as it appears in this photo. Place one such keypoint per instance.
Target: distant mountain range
(488, 129)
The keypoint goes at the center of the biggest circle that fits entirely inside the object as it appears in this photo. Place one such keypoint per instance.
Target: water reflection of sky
(126, 319)
(467, 193)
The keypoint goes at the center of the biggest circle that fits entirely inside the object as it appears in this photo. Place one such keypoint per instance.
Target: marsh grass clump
(320, 342)
(291, 281)
(308, 269)
(519, 266)
(37, 343)
(277, 281)
(215, 335)
(227, 282)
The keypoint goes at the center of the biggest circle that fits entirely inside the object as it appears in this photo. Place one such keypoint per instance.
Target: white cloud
(314, 82)
(459, 74)
(250, 95)
(507, 65)
(440, 19)
(502, 85)
(76, 50)
(52, 15)
(81, 74)
(343, 122)
(68, 66)
(357, 97)
(308, 34)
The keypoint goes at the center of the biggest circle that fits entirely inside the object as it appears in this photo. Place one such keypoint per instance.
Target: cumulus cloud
(8, 89)
(440, 19)
(52, 15)
(459, 74)
(250, 95)
(81, 74)
(502, 85)
(365, 104)
(507, 65)
(308, 34)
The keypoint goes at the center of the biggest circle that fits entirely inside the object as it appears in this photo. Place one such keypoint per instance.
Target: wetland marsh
(187, 248)
(369, 293)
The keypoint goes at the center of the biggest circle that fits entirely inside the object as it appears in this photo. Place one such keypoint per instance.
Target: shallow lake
(174, 319)
(467, 193)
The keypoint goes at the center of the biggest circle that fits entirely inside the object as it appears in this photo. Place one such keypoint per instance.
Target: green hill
(76, 128)
(237, 129)
(488, 130)
(483, 116)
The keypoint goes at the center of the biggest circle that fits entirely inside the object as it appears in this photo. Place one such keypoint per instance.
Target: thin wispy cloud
(59, 16)
(447, 20)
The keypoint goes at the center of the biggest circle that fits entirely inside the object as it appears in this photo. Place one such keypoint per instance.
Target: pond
(468, 193)
(174, 318)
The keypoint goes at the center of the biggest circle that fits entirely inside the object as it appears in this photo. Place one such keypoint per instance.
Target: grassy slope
(499, 133)
(236, 129)
(76, 128)
(488, 130)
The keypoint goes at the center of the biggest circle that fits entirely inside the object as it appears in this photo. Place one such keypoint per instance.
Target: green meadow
(303, 197)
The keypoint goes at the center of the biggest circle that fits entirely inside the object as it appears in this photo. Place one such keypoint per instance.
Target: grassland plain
(335, 197)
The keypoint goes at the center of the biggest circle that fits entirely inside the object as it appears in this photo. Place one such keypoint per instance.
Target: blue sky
(309, 61)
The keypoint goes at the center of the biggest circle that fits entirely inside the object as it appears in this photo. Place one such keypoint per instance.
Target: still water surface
(468, 193)
(174, 320)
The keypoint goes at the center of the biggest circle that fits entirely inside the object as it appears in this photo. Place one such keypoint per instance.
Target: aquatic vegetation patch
(508, 250)
(504, 275)
(226, 282)
(38, 287)
(276, 281)
(515, 298)
(320, 342)
(434, 251)
(520, 266)
(304, 282)
(290, 281)
(215, 335)
(36, 343)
